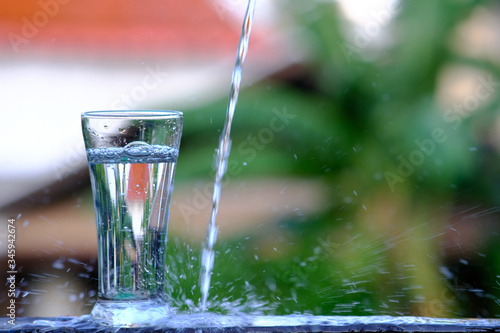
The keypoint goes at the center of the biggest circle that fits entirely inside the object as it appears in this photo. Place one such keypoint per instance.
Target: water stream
(222, 155)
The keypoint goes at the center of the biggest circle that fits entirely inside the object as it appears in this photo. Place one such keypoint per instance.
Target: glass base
(131, 313)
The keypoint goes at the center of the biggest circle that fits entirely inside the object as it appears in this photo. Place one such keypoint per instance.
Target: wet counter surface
(242, 323)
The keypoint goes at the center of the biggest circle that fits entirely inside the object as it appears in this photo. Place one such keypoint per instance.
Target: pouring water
(222, 155)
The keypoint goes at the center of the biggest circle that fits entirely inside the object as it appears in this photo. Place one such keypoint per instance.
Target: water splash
(222, 155)
(290, 323)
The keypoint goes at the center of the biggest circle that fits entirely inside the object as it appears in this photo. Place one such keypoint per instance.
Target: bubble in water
(138, 148)
(111, 152)
(135, 152)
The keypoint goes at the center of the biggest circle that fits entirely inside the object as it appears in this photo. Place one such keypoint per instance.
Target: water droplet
(58, 264)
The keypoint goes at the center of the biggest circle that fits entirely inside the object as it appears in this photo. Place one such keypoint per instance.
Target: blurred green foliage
(355, 113)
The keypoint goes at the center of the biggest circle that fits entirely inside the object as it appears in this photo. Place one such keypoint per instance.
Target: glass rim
(127, 114)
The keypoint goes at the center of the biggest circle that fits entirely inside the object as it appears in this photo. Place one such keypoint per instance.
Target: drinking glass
(132, 157)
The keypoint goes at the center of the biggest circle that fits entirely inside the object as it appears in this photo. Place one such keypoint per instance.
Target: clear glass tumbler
(132, 157)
